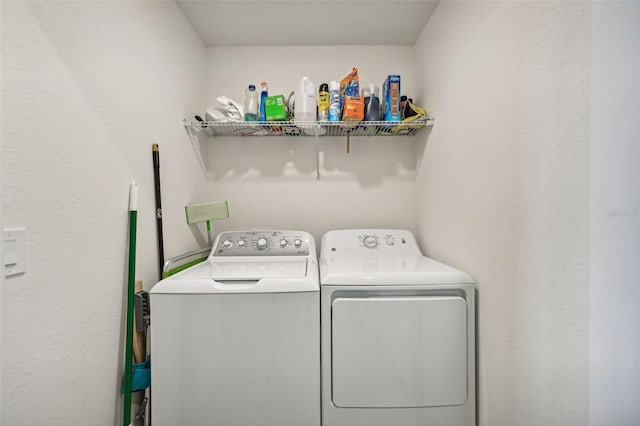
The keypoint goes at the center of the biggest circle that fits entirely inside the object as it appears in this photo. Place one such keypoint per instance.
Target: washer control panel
(261, 243)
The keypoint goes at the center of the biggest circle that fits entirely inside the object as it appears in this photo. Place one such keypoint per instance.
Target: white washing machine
(398, 333)
(235, 339)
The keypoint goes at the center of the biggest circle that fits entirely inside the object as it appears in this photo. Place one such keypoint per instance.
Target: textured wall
(614, 386)
(272, 182)
(86, 88)
(503, 193)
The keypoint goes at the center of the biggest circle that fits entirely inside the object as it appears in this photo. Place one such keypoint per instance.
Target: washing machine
(235, 339)
(398, 333)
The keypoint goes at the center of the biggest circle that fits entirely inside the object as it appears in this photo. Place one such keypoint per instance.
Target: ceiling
(307, 22)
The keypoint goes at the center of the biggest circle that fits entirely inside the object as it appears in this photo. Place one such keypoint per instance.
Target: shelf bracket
(348, 141)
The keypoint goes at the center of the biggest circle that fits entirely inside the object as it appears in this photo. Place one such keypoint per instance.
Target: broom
(128, 367)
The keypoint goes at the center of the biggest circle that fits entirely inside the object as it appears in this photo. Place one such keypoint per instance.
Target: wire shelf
(311, 128)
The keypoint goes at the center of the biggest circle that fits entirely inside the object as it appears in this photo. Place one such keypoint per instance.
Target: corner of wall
(614, 319)
(1, 255)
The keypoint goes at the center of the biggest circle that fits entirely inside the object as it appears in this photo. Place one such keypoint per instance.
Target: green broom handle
(128, 367)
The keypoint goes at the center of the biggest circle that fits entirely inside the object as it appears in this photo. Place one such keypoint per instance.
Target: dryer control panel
(396, 241)
(261, 243)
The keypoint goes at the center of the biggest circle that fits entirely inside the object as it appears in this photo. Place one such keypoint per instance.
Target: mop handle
(128, 367)
(156, 181)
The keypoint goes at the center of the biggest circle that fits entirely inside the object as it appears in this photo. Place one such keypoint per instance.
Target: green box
(274, 108)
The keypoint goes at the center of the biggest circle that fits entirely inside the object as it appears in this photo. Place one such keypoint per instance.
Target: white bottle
(251, 104)
(305, 101)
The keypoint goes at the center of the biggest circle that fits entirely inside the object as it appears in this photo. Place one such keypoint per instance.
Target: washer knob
(242, 243)
(283, 243)
(227, 244)
(262, 243)
(297, 242)
(370, 241)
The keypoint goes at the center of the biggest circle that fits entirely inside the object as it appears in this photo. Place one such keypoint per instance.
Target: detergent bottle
(305, 101)
(371, 103)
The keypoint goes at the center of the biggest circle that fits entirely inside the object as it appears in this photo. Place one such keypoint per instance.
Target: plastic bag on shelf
(413, 117)
(228, 111)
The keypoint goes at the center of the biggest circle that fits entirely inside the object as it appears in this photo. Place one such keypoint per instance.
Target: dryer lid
(372, 269)
(380, 257)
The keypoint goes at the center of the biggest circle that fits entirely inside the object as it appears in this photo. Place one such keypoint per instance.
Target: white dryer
(235, 339)
(398, 333)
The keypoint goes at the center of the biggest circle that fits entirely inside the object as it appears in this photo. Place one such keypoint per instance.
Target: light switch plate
(13, 250)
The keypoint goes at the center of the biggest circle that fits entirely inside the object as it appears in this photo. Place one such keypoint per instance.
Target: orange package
(350, 85)
(353, 109)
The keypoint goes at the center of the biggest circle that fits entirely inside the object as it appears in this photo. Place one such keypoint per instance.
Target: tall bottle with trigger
(263, 97)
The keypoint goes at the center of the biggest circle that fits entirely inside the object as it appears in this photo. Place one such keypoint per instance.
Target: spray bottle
(334, 101)
(263, 97)
(323, 102)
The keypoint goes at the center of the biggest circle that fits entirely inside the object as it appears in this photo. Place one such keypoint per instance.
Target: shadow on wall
(421, 140)
(370, 161)
(109, 79)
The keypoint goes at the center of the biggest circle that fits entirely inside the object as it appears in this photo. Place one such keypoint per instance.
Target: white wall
(87, 87)
(614, 388)
(502, 188)
(271, 182)
(503, 193)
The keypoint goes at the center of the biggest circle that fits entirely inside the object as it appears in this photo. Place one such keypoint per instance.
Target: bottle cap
(334, 85)
(324, 87)
(252, 87)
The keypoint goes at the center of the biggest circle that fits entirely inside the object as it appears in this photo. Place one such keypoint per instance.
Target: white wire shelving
(310, 128)
(316, 129)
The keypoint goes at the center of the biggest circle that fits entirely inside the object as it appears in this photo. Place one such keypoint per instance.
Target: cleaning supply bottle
(305, 101)
(323, 102)
(263, 96)
(371, 103)
(251, 104)
(334, 101)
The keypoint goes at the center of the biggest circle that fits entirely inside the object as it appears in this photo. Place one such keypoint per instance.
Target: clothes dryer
(235, 339)
(398, 333)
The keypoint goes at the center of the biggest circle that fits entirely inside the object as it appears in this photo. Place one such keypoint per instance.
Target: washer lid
(373, 269)
(244, 275)
(235, 269)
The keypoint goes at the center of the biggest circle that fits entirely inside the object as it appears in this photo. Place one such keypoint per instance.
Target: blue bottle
(334, 101)
(263, 96)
